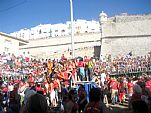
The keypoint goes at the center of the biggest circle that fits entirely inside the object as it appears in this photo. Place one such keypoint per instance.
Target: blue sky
(18, 14)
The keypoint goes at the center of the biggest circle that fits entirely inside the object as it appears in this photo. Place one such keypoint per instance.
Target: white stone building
(10, 44)
(55, 30)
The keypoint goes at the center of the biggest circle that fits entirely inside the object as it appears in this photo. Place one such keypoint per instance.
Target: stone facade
(125, 33)
(138, 45)
(54, 47)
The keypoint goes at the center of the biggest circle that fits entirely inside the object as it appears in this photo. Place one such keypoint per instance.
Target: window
(6, 49)
(50, 33)
(77, 32)
(69, 27)
(63, 31)
(7, 41)
(23, 35)
(40, 31)
(56, 30)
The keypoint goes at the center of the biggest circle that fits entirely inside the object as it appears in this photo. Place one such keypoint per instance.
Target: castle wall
(123, 45)
(127, 28)
(123, 34)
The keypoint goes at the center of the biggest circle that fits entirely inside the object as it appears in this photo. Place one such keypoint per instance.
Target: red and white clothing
(121, 91)
(148, 85)
(81, 64)
(130, 88)
(114, 85)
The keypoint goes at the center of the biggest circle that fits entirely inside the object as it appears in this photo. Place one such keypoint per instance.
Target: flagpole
(72, 30)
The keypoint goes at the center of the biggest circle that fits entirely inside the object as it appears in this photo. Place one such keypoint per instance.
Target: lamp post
(72, 29)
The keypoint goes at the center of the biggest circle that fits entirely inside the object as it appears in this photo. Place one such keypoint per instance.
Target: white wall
(80, 26)
(44, 47)
(11, 44)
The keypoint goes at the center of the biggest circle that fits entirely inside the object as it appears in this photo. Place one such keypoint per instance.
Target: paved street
(119, 108)
(111, 109)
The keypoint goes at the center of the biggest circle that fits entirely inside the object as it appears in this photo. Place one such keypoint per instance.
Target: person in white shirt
(103, 77)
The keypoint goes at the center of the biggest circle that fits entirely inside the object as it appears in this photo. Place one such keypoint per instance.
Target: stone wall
(54, 47)
(122, 34)
(123, 45)
(129, 18)
(127, 28)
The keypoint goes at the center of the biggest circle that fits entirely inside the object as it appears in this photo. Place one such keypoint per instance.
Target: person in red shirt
(70, 66)
(130, 88)
(39, 89)
(60, 75)
(148, 85)
(130, 91)
(63, 58)
(52, 94)
(74, 77)
(57, 89)
(66, 77)
(86, 60)
(121, 92)
(56, 86)
(30, 78)
(114, 90)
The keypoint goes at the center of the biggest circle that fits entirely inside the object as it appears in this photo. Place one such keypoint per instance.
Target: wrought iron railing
(131, 73)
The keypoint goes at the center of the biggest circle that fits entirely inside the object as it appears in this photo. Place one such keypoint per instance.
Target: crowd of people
(30, 85)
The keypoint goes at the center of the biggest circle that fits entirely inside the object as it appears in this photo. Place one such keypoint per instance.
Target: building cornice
(4, 34)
